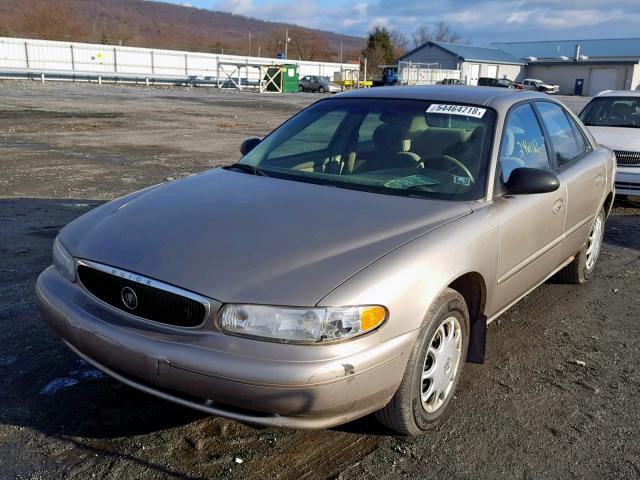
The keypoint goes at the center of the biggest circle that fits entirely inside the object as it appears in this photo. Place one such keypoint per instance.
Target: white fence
(410, 73)
(94, 60)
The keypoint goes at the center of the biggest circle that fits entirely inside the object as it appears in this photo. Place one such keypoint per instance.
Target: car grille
(627, 159)
(152, 303)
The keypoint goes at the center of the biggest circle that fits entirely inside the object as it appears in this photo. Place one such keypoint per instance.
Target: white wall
(565, 75)
(37, 55)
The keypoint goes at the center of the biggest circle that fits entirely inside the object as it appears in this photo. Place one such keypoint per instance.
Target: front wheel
(301, 88)
(321, 90)
(583, 265)
(433, 369)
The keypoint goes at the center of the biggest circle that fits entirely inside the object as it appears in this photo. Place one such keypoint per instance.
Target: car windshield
(612, 112)
(402, 147)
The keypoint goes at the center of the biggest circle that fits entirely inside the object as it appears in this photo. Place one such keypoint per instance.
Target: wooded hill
(163, 25)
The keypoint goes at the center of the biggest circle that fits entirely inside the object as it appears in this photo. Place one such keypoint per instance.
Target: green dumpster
(291, 77)
(285, 77)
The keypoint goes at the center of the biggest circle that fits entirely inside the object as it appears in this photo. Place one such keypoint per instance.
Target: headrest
(509, 143)
(622, 110)
(391, 137)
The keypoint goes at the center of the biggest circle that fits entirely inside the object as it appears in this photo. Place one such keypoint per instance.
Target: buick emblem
(129, 298)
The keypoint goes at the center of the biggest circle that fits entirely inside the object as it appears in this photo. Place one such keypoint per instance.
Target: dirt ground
(558, 396)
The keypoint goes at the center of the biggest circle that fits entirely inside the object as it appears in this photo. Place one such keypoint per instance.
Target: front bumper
(253, 381)
(628, 181)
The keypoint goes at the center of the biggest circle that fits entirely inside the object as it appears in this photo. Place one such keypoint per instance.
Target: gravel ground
(556, 398)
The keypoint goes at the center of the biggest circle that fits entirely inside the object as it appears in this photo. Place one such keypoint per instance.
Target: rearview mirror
(248, 145)
(532, 180)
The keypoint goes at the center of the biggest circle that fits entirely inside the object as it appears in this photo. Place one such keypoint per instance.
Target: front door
(531, 226)
(582, 170)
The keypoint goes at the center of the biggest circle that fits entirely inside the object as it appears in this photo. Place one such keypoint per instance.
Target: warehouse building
(473, 62)
(581, 67)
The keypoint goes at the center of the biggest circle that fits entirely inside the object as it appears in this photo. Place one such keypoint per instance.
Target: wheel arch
(473, 289)
(608, 205)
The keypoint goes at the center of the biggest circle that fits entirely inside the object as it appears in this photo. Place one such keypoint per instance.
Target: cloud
(490, 21)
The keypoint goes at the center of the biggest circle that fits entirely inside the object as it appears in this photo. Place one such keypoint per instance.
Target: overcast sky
(481, 22)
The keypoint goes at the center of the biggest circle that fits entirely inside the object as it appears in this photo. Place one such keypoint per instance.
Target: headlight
(63, 261)
(301, 325)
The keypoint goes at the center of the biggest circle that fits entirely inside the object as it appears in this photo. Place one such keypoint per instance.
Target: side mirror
(532, 180)
(248, 145)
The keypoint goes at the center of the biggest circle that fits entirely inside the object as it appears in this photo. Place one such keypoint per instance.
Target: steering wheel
(450, 159)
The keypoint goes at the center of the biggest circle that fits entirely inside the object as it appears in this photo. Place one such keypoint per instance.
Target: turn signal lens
(372, 317)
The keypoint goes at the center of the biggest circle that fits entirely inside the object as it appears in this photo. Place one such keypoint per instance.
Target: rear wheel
(583, 265)
(433, 369)
(301, 88)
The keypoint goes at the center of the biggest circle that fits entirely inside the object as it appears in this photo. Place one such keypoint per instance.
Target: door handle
(558, 206)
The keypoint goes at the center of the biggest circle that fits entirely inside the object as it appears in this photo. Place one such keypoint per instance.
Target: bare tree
(58, 23)
(400, 42)
(307, 45)
(440, 32)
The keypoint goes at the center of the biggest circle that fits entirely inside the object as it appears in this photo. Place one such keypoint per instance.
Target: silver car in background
(613, 117)
(348, 264)
(317, 83)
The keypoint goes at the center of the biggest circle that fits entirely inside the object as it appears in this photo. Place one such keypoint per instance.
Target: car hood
(237, 237)
(617, 138)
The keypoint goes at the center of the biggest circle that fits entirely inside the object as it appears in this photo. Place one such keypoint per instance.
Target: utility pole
(286, 43)
(340, 52)
(249, 44)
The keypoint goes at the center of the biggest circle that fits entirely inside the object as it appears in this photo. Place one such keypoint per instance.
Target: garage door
(602, 79)
(492, 71)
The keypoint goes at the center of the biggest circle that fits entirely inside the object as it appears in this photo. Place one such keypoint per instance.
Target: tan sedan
(348, 264)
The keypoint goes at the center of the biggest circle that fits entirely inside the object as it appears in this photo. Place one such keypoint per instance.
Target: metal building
(581, 67)
(473, 62)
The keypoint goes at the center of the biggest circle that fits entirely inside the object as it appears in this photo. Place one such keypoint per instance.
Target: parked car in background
(539, 86)
(316, 83)
(498, 82)
(492, 82)
(613, 117)
(450, 81)
(347, 264)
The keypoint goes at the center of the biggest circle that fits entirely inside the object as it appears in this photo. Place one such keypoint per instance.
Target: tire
(321, 90)
(406, 413)
(301, 88)
(581, 268)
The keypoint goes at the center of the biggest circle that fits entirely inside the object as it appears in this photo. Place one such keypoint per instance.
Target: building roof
(469, 53)
(609, 48)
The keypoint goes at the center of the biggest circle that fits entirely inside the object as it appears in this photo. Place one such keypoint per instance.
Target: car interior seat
(392, 149)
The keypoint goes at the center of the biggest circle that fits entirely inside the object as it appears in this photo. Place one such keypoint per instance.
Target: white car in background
(539, 86)
(613, 117)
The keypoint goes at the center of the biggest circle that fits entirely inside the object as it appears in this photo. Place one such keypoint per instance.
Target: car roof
(495, 97)
(619, 93)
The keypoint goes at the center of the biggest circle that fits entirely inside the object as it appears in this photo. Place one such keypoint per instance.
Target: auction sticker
(465, 110)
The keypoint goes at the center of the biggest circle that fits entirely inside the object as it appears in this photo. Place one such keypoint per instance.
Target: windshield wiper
(243, 167)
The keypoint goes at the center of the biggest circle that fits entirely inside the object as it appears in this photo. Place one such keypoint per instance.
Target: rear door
(582, 170)
(531, 226)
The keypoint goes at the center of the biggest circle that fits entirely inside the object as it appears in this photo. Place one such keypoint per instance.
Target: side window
(563, 136)
(314, 137)
(522, 142)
